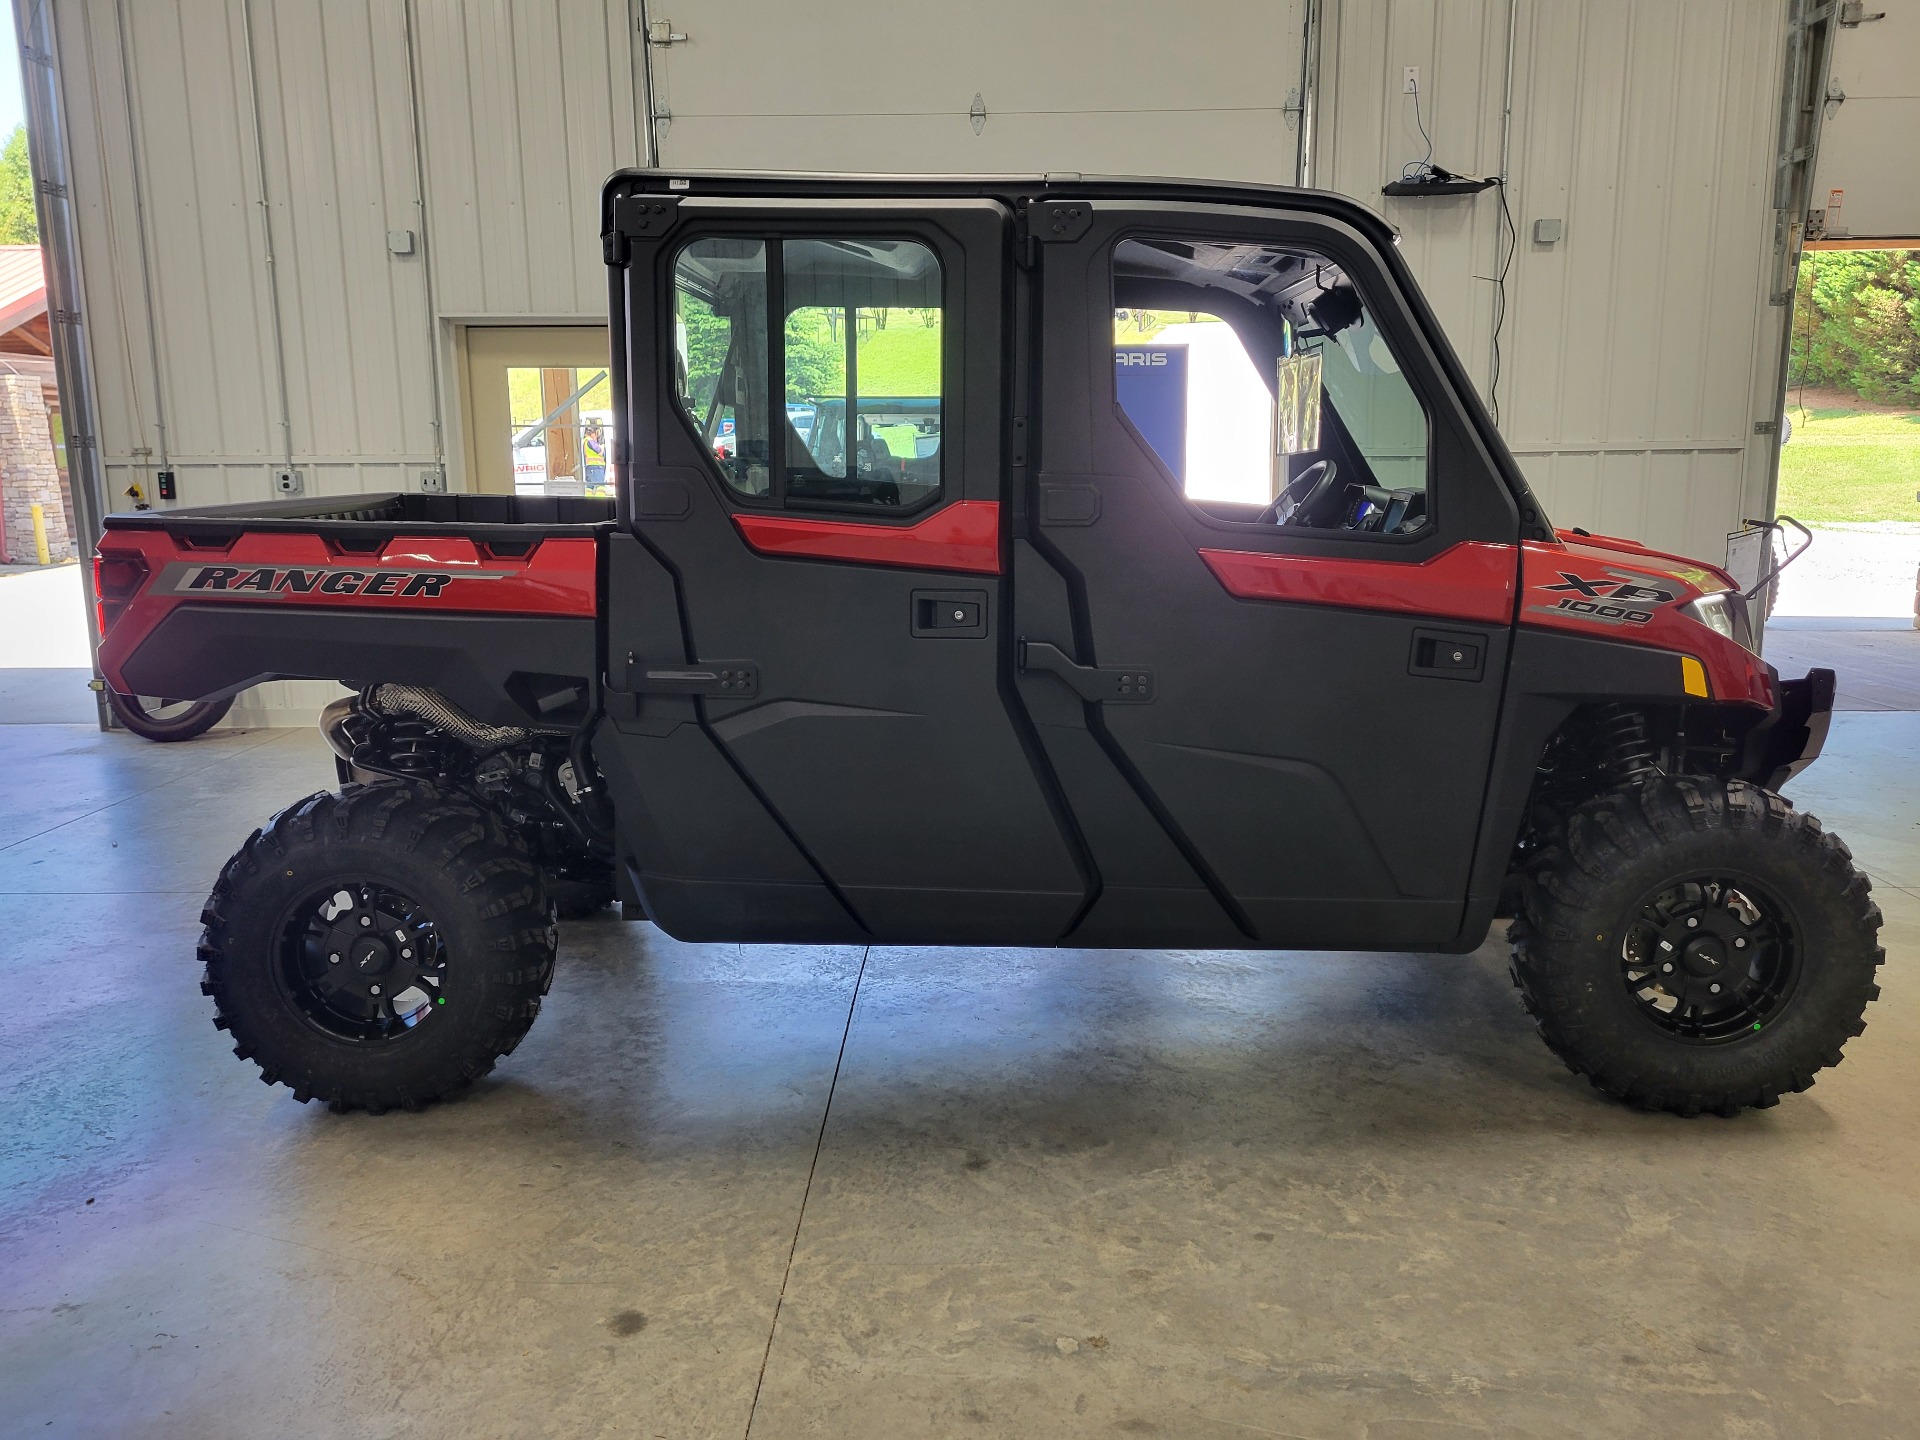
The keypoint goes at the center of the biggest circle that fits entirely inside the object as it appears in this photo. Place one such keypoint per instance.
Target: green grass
(1850, 465)
(902, 360)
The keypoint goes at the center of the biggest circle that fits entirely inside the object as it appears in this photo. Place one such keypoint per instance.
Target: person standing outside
(594, 445)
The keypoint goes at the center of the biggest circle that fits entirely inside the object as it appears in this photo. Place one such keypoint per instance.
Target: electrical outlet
(288, 482)
(1411, 83)
(433, 482)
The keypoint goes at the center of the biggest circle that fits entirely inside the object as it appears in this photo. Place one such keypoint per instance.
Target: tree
(18, 225)
(1857, 324)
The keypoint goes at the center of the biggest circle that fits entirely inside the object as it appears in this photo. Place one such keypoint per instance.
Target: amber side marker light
(1693, 676)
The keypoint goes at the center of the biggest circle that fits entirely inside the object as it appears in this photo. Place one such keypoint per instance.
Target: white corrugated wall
(1637, 352)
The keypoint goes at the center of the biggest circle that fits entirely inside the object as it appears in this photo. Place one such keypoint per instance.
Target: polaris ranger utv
(983, 663)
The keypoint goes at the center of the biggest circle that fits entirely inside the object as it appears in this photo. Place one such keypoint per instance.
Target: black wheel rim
(362, 961)
(1711, 958)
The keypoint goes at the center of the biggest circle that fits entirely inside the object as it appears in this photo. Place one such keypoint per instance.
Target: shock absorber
(1626, 746)
(412, 747)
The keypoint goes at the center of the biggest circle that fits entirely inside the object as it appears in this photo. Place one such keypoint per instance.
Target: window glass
(1257, 376)
(720, 335)
(1188, 385)
(860, 406)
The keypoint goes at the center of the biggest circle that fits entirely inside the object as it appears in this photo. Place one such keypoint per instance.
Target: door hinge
(637, 217)
(1109, 684)
(1055, 222)
(977, 113)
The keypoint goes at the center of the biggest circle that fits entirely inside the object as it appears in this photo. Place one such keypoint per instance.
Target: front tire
(1696, 944)
(377, 948)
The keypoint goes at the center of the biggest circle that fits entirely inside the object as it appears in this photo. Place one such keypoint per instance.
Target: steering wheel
(1300, 501)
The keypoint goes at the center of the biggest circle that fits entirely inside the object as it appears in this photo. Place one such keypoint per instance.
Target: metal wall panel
(1636, 351)
(527, 108)
(1130, 88)
(200, 300)
(338, 141)
(183, 336)
(1867, 143)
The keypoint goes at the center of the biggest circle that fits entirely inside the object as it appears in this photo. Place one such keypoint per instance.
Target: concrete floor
(1876, 661)
(794, 1192)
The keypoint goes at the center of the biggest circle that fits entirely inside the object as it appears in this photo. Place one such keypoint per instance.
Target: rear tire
(1625, 950)
(148, 717)
(382, 947)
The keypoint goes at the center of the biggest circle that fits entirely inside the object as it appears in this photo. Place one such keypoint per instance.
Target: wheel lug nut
(1715, 989)
(368, 920)
(333, 959)
(375, 989)
(406, 954)
(1691, 923)
(1667, 969)
(1739, 944)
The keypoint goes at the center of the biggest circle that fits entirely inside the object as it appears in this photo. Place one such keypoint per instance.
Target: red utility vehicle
(939, 648)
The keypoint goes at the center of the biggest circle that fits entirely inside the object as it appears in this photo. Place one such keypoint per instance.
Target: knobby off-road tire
(154, 719)
(377, 948)
(1696, 945)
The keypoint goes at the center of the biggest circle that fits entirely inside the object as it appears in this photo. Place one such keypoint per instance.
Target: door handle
(1110, 684)
(1448, 654)
(949, 614)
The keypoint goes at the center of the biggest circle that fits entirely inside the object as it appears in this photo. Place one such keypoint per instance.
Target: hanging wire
(1423, 167)
(1500, 296)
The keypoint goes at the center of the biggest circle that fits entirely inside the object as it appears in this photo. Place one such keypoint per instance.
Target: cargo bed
(490, 599)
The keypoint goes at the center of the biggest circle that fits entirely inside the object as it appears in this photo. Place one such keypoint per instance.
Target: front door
(816, 487)
(1270, 580)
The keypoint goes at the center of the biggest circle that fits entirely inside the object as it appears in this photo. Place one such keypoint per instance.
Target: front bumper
(1791, 738)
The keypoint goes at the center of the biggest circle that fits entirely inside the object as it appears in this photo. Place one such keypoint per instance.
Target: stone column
(28, 476)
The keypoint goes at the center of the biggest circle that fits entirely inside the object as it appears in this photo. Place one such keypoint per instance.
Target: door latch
(1448, 655)
(949, 614)
(1109, 684)
(721, 679)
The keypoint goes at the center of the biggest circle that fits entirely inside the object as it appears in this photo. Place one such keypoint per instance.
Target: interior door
(818, 476)
(1277, 591)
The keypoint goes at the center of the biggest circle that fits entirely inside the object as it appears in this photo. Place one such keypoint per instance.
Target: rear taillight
(116, 580)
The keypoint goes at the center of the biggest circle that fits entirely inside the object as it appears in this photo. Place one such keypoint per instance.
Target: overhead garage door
(1867, 145)
(1198, 89)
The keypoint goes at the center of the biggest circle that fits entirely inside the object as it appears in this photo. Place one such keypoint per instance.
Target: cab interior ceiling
(1252, 287)
(827, 273)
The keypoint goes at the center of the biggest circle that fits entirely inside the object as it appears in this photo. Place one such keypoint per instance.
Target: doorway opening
(1850, 472)
(539, 409)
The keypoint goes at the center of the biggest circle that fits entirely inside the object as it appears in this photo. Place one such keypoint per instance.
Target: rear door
(817, 473)
(1305, 710)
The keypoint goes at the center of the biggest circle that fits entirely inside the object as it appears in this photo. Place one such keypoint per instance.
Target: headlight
(1725, 613)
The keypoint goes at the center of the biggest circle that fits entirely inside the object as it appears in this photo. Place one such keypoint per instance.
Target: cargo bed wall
(492, 600)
